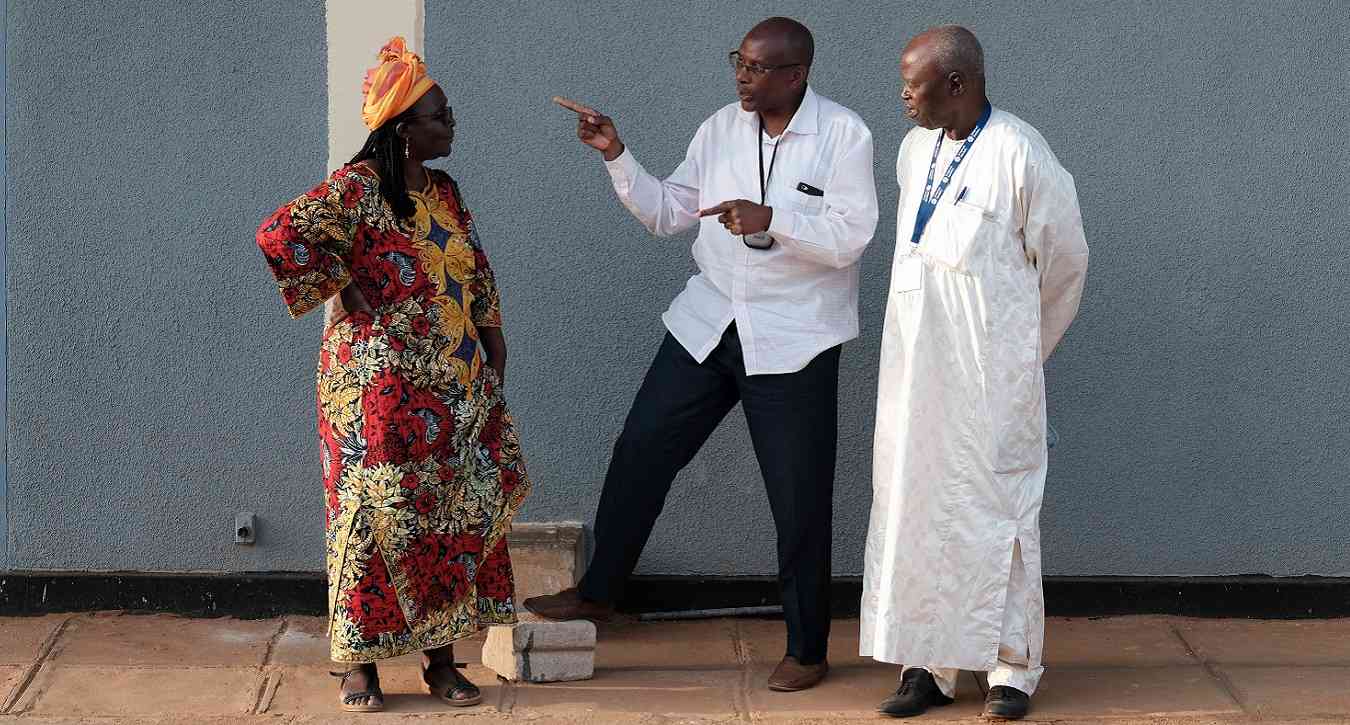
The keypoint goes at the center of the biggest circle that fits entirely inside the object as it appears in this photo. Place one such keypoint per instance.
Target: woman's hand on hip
(345, 304)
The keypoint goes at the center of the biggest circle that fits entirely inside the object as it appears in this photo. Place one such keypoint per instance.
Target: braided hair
(387, 148)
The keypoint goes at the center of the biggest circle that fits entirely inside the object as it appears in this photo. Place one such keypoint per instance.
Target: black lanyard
(763, 179)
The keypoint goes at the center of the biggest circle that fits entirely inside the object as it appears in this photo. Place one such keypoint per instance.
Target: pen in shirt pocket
(962, 193)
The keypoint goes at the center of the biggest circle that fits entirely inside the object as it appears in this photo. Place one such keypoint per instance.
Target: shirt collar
(804, 121)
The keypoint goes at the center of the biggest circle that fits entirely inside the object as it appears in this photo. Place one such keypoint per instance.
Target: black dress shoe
(1006, 703)
(918, 692)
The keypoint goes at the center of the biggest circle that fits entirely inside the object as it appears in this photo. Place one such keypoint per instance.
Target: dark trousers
(793, 425)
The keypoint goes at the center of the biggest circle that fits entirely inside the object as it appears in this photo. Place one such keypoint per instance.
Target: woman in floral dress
(421, 463)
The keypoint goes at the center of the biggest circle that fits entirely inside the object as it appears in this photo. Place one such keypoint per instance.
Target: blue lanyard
(928, 204)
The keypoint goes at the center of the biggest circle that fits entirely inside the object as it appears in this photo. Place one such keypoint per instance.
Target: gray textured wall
(1201, 397)
(4, 487)
(156, 385)
(153, 388)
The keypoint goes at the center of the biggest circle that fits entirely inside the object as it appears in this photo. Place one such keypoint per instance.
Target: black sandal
(471, 695)
(360, 701)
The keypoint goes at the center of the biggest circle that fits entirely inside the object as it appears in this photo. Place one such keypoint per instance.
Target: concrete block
(546, 557)
(542, 651)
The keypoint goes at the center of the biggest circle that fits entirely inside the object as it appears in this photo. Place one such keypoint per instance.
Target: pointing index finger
(572, 105)
(724, 206)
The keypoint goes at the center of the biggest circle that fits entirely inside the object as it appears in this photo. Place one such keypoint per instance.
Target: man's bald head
(793, 40)
(942, 70)
(954, 49)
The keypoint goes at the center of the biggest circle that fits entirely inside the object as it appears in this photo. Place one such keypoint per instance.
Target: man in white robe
(987, 276)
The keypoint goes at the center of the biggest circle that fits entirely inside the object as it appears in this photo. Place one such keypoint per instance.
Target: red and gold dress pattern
(421, 462)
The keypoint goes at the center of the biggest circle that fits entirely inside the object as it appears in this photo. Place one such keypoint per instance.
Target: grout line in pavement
(740, 697)
(268, 692)
(275, 639)
(30, 674)
(259, 692)
(1219, 678)
(267, 688)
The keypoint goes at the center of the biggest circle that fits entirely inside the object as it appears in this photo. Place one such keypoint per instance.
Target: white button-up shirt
(800, 297)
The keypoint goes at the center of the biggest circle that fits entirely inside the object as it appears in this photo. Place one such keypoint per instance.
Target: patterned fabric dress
(421, 462)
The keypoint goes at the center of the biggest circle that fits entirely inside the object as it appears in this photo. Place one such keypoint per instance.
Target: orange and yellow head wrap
(394, 85)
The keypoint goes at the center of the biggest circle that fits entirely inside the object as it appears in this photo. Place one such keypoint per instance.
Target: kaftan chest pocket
(957, 234)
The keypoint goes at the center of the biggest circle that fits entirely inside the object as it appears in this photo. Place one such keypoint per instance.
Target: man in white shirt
(781, 187)
(987, 276)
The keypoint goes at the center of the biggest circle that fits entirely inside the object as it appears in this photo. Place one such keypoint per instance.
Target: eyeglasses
(734, 57)
(445, 115)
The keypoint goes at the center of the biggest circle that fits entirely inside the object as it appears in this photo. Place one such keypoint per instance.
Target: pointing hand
(740, 216)
(595, 129)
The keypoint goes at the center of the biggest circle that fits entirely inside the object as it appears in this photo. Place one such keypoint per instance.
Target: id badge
(909, 274)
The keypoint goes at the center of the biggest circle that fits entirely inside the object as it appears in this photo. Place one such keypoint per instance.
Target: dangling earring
(406, 145)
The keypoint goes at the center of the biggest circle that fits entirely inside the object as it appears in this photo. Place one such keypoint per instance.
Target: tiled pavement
(115, 668)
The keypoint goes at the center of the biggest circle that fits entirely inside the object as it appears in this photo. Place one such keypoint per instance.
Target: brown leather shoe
(568, 604)
(792, 676)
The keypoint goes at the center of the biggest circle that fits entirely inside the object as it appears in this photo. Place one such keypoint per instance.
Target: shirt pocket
(806, 203)
(957, 234)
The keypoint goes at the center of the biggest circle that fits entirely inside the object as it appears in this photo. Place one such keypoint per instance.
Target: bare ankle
(361, 675)
(438, 656)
